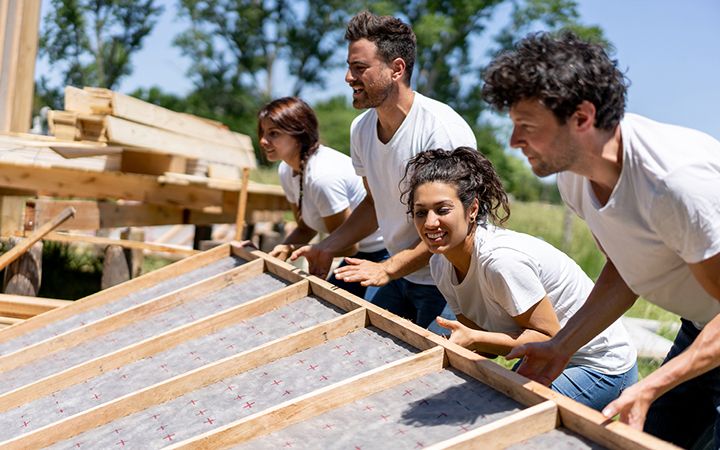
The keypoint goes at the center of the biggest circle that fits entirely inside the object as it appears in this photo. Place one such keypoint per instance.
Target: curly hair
(393, 38)
(293, 116)
(473, 176)
(561, 71)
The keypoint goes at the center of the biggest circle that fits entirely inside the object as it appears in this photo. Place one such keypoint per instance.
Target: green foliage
(91, 42)
(335, 116)
(63, 262)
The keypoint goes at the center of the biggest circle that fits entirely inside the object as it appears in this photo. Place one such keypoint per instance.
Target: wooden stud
(507, 431)
(121, 319)
(319, 401)
(211, 373)
(101, 298)
(19, 249)
(148, 246)
(25, 307)
(242, 204)
(162, 342)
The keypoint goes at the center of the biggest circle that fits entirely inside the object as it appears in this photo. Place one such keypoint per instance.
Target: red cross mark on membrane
(96, 396)
(25, 423)
(368, 408)
(169, 437)
(201, 412)
(161, 428)
(239, 397)
(288, 445)
(400, 431)
(384, 417)
(192, 402)
(276, 382)
(328, 426)
(77, 444)
(155, 416)
(287, 393)
(349, 352)
(442, 414)
(117, 430)
(323, 378)
(121, 443)
(424, 402)
(248, 405)
(209, 421)
(419, 445)
(408, 392)
(464, 428)
(312, 367)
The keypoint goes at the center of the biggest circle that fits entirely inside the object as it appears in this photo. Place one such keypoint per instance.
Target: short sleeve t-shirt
(330, 185)
(663, 214)
(428, 125)
(509, 273)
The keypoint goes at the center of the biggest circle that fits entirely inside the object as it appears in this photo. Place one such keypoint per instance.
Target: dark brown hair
(393, 38)
(472, 175)
(293, 116)
(561, 71)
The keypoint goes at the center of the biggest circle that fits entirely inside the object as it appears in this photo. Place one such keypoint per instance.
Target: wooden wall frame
(543, 410)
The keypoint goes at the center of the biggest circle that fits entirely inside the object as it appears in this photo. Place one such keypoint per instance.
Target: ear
(584, 116)
(473, 210)
(398, 68)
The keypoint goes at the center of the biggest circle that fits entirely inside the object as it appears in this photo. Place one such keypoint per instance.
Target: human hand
(319, 260)
(460, 334)
(367, 273)
(632, 405)
(542, 361)
(282, 251)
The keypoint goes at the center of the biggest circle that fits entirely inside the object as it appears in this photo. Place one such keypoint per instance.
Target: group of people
(417, 212)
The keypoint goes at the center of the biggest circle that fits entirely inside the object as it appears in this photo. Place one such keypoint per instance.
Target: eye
(443, 211)
(420, 213)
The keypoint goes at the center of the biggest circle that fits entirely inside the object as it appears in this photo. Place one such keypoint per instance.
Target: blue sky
(670, 50)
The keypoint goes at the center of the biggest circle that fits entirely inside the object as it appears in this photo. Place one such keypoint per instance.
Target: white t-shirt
(329, 186)
(509, 273)
(428, 125)
(663, 213)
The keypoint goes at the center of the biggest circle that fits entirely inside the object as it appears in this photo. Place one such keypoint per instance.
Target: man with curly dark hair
(650, 193)
(398, 124)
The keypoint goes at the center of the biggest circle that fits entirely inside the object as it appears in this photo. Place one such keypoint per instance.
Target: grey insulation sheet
(122, 303)
(416, 414)
(153, 325)
(246, 393)
(559, 439)
(159, 367)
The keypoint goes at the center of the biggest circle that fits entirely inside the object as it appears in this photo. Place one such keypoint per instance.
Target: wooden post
(23, 276)
(242, 204)
(19, 24)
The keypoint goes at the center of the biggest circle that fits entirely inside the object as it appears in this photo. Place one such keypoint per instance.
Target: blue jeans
(420, 303)
(592, 388)
(682, 414)
(366, 292)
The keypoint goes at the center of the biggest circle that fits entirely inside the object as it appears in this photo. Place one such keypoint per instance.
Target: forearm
(609, 299)
(407, 261)
(498, 343)
(703, 355)
(361, 224)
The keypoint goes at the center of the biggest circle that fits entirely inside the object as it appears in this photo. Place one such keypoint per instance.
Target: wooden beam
(242, 205)
(10, 320)
(193, 380)
(24, 307)
(94, 215)
(148, 246)
(121, 319)
(99, 299)
(507, 431)
(64, 182)
(319, 401)
(19, 23)
(164, 341)
(15, 252)
(124, 132)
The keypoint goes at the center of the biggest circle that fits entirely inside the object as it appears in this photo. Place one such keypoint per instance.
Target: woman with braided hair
(319, 182)
(506, 288)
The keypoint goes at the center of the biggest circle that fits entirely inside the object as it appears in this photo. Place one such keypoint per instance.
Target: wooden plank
(94, 215)
(24, 307)
(149, 246)
(240, 221)
(15, 252)
(166, 340)
(10, 320)
(507, 431)
(151, 163)
(613, 434)
(73, 151)
(12, 214)
(101, 298)
(121, 131)
(65, 182)
(108, 324)
(136, 110)
(198, 378)
(319, 401)
(84, 102)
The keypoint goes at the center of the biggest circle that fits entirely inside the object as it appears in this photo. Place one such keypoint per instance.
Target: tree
(91, 42)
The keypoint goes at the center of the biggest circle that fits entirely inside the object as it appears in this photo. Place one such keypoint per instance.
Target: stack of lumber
(154, 140)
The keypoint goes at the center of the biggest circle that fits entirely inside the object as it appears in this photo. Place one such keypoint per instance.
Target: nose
(263, 142)
(516, 140)
(431, 220)
(349, 78)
